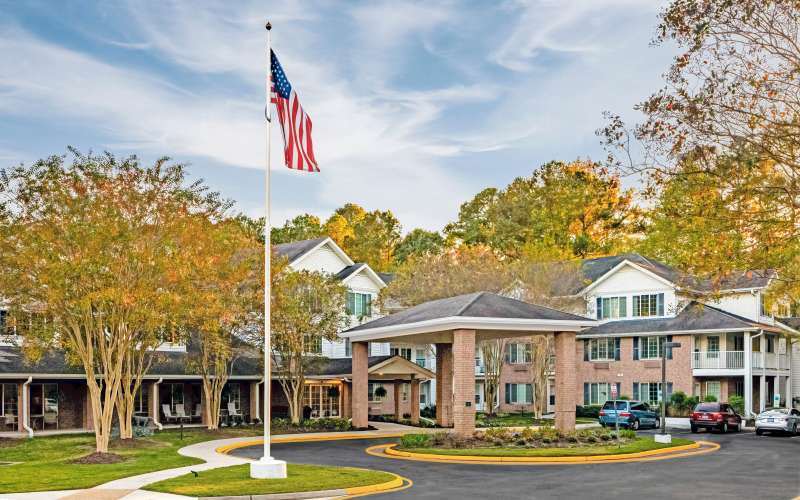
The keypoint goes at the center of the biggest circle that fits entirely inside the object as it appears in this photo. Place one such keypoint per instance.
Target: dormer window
(648, 305)
(612, 307)
(359, 304)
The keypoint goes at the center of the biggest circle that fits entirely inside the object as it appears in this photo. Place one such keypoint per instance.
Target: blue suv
(632, 414)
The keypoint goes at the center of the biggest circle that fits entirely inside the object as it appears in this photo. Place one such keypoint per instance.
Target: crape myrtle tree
(91, 249)
(727, 120)
(226, 290)
(307, 308)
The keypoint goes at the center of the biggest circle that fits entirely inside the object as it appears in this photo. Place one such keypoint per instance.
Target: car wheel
(635, 425)
(759, 432)
(794, 429)
(694, 428)
(724, 428)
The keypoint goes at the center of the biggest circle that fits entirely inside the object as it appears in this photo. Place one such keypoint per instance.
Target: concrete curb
(699, 447)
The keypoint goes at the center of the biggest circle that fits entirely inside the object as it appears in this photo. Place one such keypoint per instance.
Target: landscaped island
(235, 480)
(542, 442)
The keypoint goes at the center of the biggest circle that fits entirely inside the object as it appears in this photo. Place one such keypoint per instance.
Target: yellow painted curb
(692, 449)
(395, 483)
(302, 439)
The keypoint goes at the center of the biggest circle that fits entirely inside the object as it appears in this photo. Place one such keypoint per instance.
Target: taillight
(695, 415)
(602, 413)
(717, 416)
(625, 414)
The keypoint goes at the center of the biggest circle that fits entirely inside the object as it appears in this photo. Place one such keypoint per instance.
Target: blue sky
(416, 105)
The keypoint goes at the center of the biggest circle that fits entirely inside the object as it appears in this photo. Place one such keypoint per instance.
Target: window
(762, 302)
(420, 359)
(648, 305)
(175, 394)
(651, 347)
(713, 346)
(518, 354)
(323, 399)
(713, 389)
(359, 304)
(596, 393)
(8, 403)
(404, 352)
(312, 344)
(232, 393)
(371, 388)
(770, 343)
(650, 392)
(348, 348)
(602, 349)
(404, 392)
(422, 398)
(140, 402)
(612, 307)
(519, 394)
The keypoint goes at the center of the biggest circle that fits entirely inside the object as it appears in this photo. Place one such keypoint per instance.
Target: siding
(323, 259)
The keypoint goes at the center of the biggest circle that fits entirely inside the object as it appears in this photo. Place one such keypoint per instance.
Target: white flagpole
(267, 467)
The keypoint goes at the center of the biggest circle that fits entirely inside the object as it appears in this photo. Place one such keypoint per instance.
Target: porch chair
(168, 413)
(198, 413)
(11, 421)
(50, 418)
(233, 414)
(180, 413)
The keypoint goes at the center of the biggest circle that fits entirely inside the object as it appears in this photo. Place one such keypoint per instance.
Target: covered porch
(456, 326)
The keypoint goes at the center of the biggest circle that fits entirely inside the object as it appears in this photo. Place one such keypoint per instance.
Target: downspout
(155, 405)
(25, 404)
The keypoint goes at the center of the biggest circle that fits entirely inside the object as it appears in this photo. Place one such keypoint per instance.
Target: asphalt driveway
(747, 467)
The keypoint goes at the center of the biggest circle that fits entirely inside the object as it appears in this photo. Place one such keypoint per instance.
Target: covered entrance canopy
(456, 325)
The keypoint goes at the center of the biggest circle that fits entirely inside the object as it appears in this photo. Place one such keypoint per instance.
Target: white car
(780, 420)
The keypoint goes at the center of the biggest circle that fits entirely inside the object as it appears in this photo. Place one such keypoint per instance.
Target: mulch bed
(99, 458)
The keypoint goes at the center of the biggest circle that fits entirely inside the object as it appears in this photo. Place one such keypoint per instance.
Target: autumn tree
(302, 227)
(92, 247)
(562, 211)
(369, 237)
(728, 119)
(226, 288)
(307, 308)
(493, 352)
(418, 242)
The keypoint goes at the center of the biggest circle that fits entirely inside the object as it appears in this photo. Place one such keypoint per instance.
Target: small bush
(592, 411)
(415, 440)
(627, 434)
(428, 412)
(500, 433)
(710, 398)
(738, 404)
(605, 436)
(591, 439)
(438, 438)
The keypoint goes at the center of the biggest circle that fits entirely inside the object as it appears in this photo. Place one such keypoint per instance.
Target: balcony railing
(770, 360)
(718, 359)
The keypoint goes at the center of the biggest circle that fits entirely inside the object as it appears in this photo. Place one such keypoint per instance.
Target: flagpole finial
(269, 26)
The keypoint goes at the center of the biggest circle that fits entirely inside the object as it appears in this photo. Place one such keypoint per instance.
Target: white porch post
(789, 377)
(762, 387)
(748, 374)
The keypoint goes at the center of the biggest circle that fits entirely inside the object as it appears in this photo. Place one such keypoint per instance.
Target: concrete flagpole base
(664, 438)
(268, 468)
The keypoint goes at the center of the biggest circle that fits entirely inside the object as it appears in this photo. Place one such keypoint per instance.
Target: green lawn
(520, 420)
(236, 480)
(640, 444)
(44, 459)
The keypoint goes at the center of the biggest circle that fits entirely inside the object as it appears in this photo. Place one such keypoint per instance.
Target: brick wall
(626, 371)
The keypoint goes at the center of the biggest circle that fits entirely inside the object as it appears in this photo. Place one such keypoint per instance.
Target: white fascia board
(786, 327)
(467, 323)
(336, 249)
(372, 274)
(619, 266)
(672, 332)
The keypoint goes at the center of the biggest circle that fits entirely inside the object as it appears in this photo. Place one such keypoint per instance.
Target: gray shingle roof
(475, 305)
(594, 269)
(296, 249)
(347, 271)
(790, 322)
(328, 367)
(694, 317)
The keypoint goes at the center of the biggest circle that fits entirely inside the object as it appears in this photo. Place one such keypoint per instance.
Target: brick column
(346, 405)
(444, 385)
(464, 382)
(414, 401)
(397, 411)
(565, 381)
(360, 404)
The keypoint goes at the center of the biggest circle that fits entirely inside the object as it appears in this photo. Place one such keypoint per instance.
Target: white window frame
(519, 353)
(595, 391)
(15, 389)
(647, 346)
(608, 344)
(718, 393)
(401, 351)
(520, 391)
(654, 310)
(371, 397)
(614, 309)
(360, 302)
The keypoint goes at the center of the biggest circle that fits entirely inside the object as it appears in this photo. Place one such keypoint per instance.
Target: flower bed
(285, 426)
(545, 441)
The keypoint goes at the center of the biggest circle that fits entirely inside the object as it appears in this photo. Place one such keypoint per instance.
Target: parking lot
(746, 466)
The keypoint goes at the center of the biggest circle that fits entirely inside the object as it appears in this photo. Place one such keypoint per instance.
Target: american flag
(295, 123)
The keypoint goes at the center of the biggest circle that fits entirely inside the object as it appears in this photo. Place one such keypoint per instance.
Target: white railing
(770, 360)
(733, 360)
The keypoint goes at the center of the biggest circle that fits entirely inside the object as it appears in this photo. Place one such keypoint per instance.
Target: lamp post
(663, 437)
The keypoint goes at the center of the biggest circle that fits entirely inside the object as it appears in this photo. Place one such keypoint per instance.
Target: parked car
(715, 416)
(632, 414)
(778, 420)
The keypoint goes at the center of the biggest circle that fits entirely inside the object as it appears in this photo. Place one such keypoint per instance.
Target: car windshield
(620, 405)
(707, 407)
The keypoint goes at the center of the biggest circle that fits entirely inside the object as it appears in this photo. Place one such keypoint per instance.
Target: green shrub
(710, 398)
(495, 433)
(415, 440)
(550, 433)
(738, 404)
(589, 411)
(428, 412)
(627, 434)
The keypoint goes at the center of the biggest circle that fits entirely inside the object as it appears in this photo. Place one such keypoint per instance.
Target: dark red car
(715, 416)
